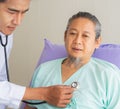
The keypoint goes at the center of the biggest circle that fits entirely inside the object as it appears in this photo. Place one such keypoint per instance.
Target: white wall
(48, 19)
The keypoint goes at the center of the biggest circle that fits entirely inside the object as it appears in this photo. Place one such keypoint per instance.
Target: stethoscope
(7, 70)
(5, 53)
(73, 85)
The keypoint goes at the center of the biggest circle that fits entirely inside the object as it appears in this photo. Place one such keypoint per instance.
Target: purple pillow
(108, 52)
(51, 51)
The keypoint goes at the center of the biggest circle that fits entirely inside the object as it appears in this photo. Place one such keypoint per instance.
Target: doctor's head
(11, 14)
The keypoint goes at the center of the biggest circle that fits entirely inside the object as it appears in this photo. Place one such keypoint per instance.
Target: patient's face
(80, 39)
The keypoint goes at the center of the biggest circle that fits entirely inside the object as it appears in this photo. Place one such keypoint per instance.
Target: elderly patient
(97, 81)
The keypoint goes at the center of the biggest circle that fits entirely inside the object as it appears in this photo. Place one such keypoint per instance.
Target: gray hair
(90, 17)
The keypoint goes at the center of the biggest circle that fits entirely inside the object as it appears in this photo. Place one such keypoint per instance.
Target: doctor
(11, 15)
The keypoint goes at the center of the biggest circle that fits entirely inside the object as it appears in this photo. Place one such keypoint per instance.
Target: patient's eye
(72, 33)
(85, 35)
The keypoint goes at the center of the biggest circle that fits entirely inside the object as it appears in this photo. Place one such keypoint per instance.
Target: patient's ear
(98, 42)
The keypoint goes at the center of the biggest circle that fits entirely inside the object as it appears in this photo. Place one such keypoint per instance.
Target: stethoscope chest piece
(75, 85)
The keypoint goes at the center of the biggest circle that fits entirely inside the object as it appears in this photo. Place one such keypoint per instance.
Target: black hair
(2, 1)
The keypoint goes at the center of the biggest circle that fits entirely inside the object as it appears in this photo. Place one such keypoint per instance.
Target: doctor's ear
(65, 35)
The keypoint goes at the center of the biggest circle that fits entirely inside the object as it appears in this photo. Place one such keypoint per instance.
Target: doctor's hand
(58, 95)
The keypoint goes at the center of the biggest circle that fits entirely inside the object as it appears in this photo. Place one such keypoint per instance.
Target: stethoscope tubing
(7, 70)
(35, 103)
(5, 53)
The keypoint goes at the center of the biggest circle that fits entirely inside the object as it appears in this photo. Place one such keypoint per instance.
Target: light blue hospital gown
(99, 84)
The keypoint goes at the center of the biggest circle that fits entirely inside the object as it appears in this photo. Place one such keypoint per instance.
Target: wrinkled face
(80, 39)
(11, 14)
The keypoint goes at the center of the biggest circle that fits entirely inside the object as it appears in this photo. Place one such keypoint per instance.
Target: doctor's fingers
(64, 99)
(67, 96)
(67, 89)
(61, 90)
(63, 103)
